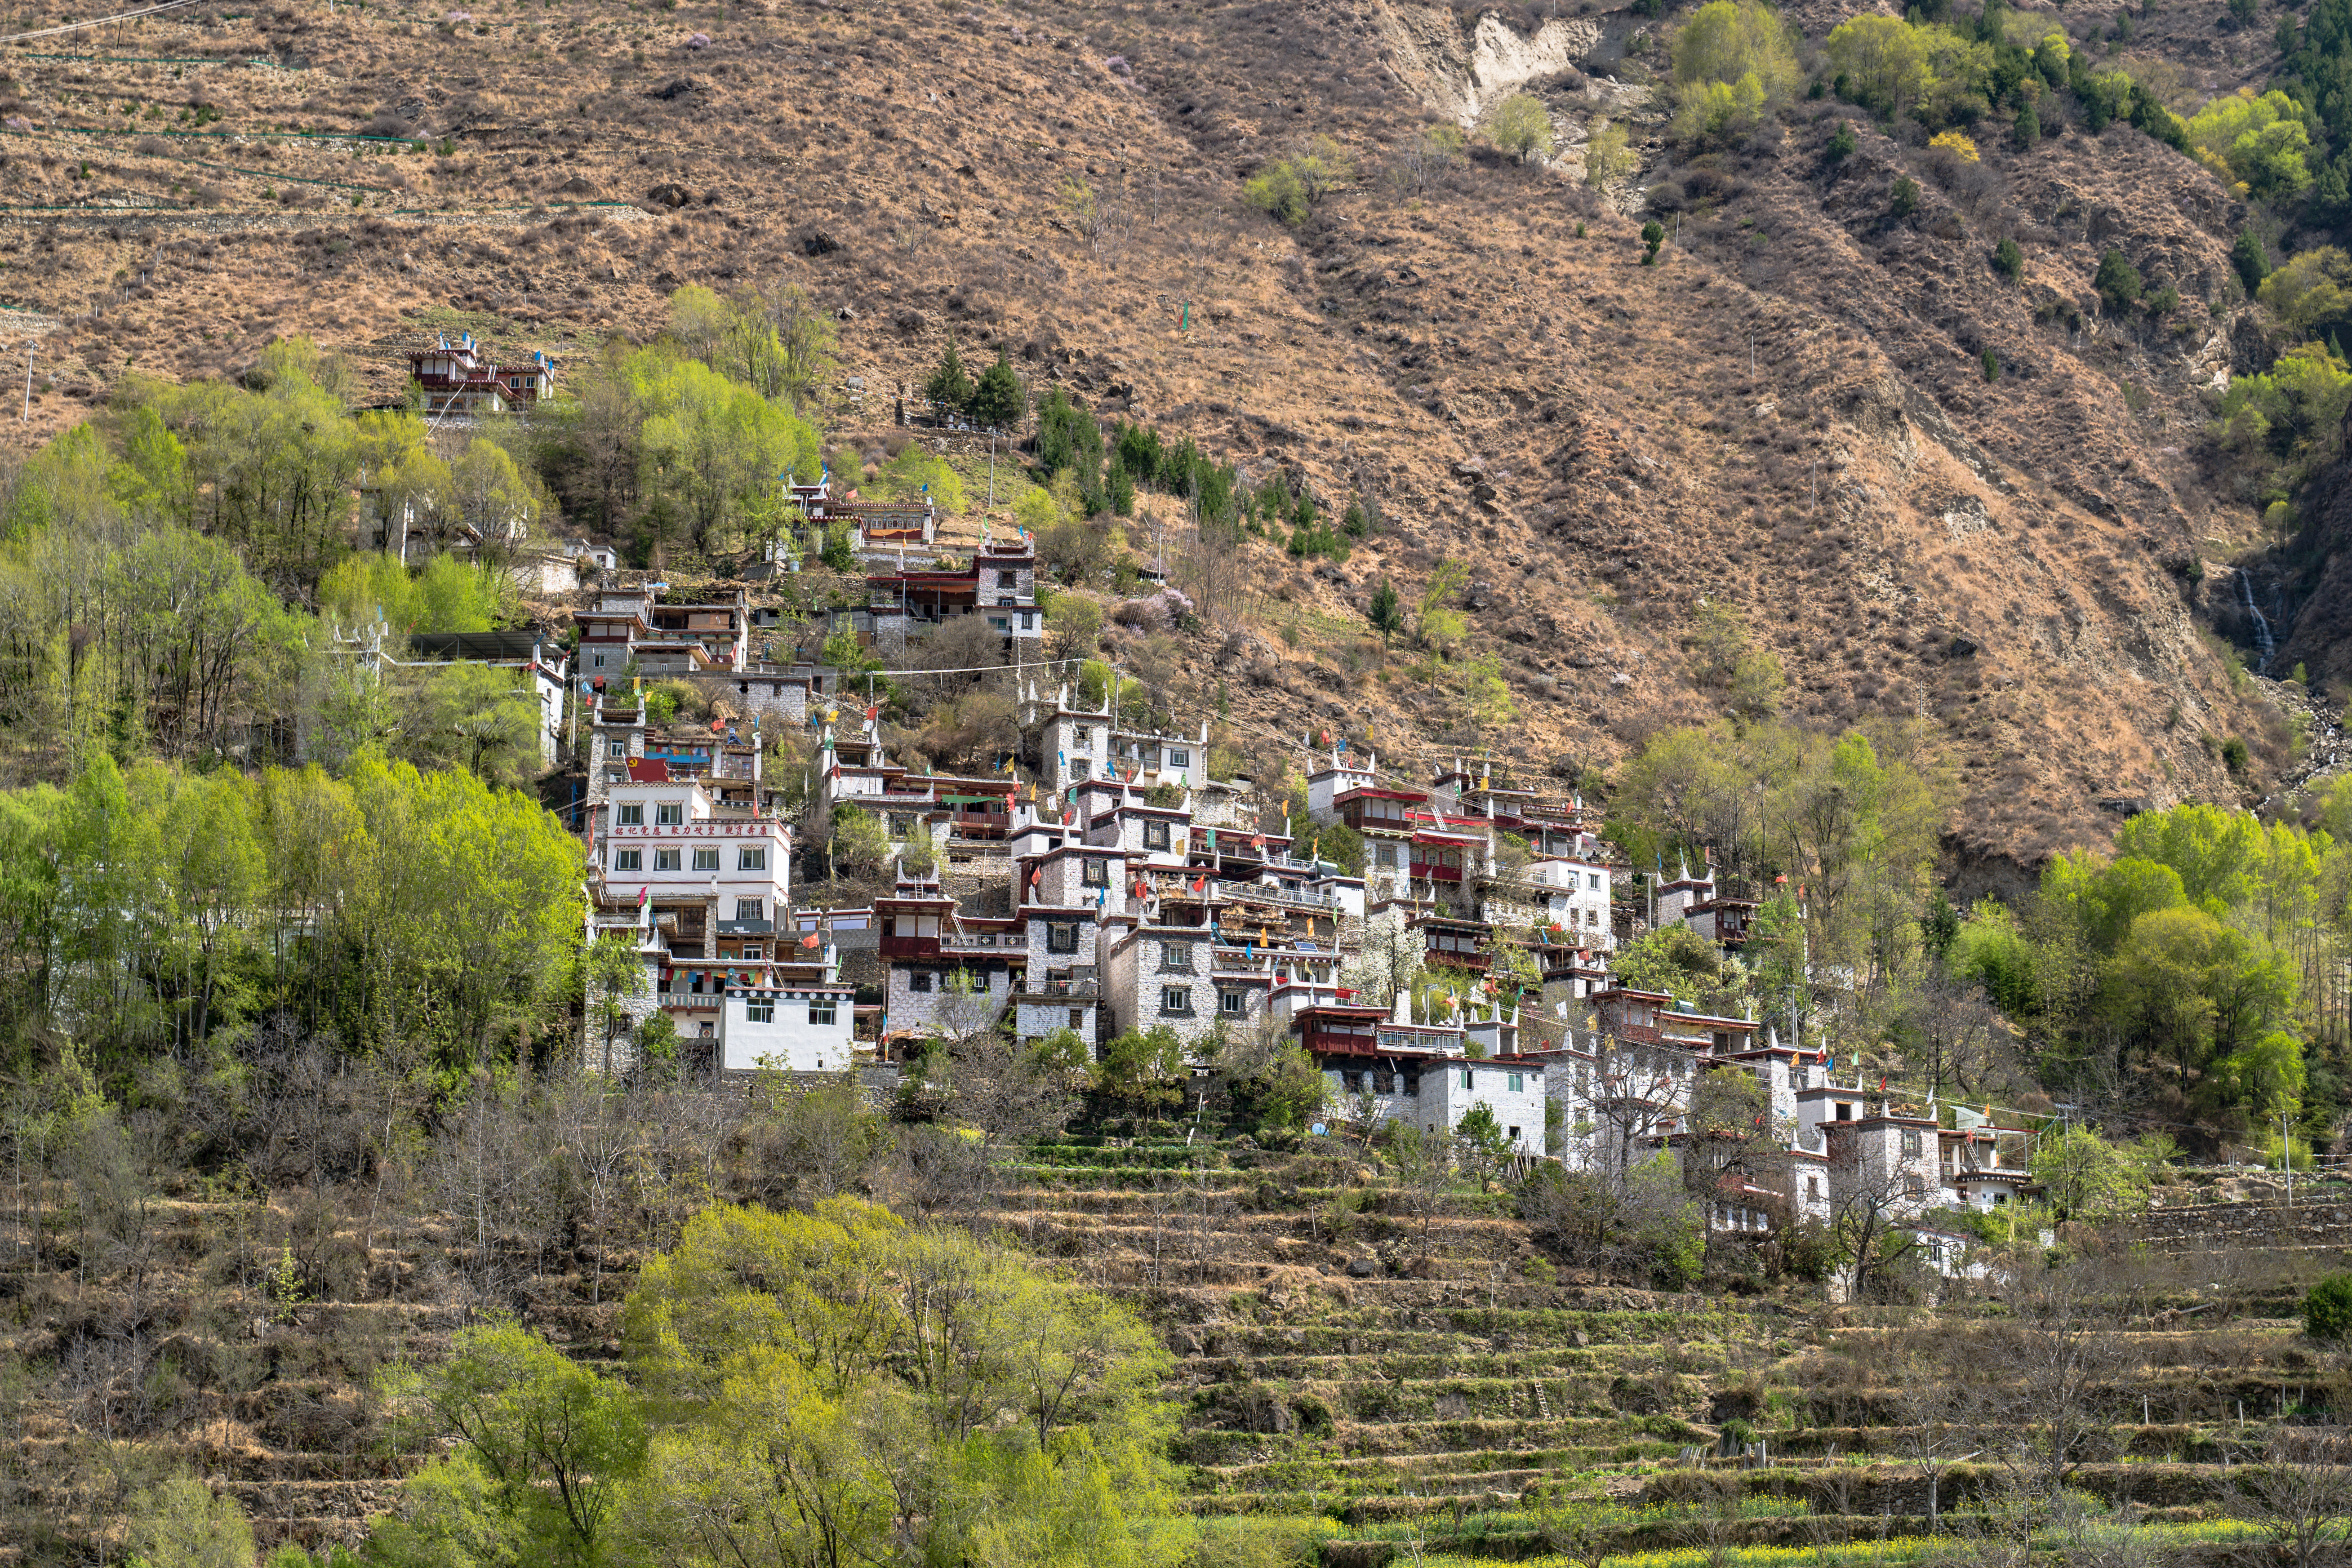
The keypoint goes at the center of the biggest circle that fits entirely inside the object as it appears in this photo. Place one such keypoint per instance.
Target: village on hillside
(1103, 883)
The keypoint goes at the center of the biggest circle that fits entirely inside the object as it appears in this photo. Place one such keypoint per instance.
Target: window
(1155, 836)
(1178, 758)
(1351, 1081)
(1384, 855)
(629, 814)
(1077, 1018)
(616, 749)
(919, 981)
(665, 860)
(1384, 1082)
(1910, 1143)
(1061, 938)
(1592, 880)
(1231, 1002)
(751, 910)
(760, 1012)
(1094, 873)
(1175, 958)
(670, 814)
(1176, 1001)
(821, 1009)
(1028, 620)
(752, 950)
(1513, 1133)
(1518, 1082)
(751, 859)
(1913, 1187)
(600, 661)
(628, 859)
(2001, 1197)
(1082, 768)
(1813, 1186)
(1844, 1113)
(706, 858)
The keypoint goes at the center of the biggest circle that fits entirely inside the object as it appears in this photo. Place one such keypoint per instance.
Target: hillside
(1787, 414)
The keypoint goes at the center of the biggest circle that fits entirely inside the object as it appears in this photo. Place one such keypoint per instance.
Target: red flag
(1199, 884)
(809, 940)
(873, 713)
(1036, 877)
(1881, 1084)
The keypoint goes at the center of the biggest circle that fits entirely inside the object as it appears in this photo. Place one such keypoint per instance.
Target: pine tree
(2119, 281)
(1386, 611)
(2028, 130)
(2252, 262)
(997, 402)
(949, 390)
(1120, 492)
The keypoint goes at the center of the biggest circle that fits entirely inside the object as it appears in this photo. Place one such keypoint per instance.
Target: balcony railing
(1477, 962)
(1061, 989)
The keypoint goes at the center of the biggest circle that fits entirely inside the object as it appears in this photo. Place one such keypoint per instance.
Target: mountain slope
(1788, 413)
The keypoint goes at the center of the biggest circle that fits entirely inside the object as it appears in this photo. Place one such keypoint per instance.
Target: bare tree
(2300, 1496)
(1423, 1162)
(1867, 1210)
(2037, 1384)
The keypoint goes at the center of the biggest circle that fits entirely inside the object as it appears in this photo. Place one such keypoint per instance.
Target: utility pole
(2286, 1156)
(29, 347)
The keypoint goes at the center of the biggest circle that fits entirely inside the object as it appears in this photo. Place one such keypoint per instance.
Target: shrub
(1842, 142)
(1958, 145)
(2328, 1310)
(1905, 198)
(2233, 755)
(1653, 234)
(2027, 129)
(2117, 281)
(1992, 366)
(2008, 259)
(1290, 187)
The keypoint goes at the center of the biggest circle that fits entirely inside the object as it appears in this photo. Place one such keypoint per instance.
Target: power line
(95, 22)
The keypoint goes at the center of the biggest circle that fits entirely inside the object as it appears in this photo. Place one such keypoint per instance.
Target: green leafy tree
(1607, 155)
(851, 1388)
(2086, 1177)
(1653, 234)
(1521, 126)
(1880, 62)
(2327, 1310)
(2026, 129)
(1143, 1069)
(2008, 259)
(1732, 61)
(181, 1524)
(615, 974)
(544, 1452)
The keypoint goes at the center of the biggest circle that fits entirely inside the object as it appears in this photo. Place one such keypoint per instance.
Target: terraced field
(1377, 1369)
(1373, 1367)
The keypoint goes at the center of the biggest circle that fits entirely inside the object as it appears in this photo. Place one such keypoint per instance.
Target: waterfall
(2263, 638)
